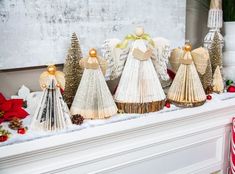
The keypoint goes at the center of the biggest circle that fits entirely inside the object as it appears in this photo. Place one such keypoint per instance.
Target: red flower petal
(2, 98)
(6, 106)
(9, 115)
(17, 102)
(21, 113)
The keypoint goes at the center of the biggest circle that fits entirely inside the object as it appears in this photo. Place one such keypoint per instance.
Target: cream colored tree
(218, 83)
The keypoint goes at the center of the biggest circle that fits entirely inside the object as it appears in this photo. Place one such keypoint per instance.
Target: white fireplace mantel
(193, 140)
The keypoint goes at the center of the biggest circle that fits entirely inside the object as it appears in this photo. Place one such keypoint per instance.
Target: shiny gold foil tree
(72, 70)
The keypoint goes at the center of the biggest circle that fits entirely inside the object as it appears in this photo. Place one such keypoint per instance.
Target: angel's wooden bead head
(139, 31)
(51, 69)
(187, 47)
(93, 52)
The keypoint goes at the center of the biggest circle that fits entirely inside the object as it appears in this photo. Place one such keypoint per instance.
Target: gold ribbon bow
(131, 37)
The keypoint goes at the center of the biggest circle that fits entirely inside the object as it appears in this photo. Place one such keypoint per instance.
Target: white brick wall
(37, 32)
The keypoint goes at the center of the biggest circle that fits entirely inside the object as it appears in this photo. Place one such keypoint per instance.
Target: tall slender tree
(72, 70)
(215, 53)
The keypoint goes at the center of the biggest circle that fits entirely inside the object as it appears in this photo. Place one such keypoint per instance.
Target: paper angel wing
(115, 57)
(175, 57)
(160, 57)
(200, 59)
(45, 79)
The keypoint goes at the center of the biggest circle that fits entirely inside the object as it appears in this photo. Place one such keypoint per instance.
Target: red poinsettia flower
(11, 108)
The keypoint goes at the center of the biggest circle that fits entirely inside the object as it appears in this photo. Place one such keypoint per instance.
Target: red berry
(168, 105)
(21, 131)
(3, 138)
(231, 88)
(209, 97)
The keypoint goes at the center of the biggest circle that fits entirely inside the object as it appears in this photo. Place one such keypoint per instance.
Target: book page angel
(186, 89)
(52, 113)
(93, 99)
(141, 64)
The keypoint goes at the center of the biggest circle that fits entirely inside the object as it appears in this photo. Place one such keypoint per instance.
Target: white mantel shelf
(192, 140)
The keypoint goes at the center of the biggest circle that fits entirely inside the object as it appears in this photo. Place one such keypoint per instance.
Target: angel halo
(140, 64)
(93, 99)
(52, 113)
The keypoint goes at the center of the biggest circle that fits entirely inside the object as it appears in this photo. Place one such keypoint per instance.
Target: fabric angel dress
(186, 89)
(52, 113)
(93, 99)
(140, 66)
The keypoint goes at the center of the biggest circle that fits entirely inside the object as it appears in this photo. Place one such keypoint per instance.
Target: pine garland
(72, 70)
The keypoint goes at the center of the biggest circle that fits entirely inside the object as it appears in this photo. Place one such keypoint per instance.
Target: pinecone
(4, 131)
(209, 90)
(77, 119)
(15, 124)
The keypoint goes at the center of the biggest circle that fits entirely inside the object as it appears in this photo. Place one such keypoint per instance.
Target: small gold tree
(72, 70)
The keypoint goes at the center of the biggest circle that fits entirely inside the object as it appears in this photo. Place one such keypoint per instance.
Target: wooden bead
(51, 69)
(139, 31)
(93, 52)
(187, 47)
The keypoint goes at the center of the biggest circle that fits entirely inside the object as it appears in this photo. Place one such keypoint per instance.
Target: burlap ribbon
(131, 37)
(101, 62)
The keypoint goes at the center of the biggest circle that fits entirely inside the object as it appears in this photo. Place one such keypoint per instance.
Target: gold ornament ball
(187, 47)
(51, 69)
(93, 52)
(44, 86)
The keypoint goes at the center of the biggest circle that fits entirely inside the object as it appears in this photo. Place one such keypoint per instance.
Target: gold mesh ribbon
(131, 37)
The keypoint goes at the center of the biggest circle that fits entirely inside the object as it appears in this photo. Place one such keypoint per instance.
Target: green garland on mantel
(228, 10)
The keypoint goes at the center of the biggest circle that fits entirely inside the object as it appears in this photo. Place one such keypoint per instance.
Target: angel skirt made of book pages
(52, 113)
(139, 89)
(93, 99)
